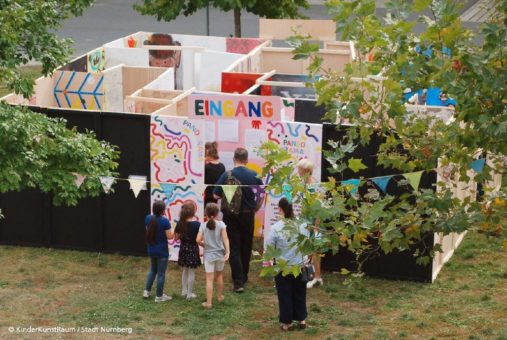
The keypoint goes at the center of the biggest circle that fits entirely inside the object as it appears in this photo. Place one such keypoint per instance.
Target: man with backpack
(239, 214)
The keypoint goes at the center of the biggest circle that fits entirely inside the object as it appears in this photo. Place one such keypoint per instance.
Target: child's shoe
(313, 282)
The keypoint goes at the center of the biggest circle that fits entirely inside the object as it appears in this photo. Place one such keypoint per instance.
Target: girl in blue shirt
(158, 230)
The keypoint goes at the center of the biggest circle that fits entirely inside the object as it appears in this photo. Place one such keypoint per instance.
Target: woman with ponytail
(158, 230)
(213, 237)
(291, 290)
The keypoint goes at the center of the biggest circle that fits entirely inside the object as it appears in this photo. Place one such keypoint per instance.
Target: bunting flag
(382, 182)
(259, 192)
(287, 192)
(351, 185)
(478, 165)
(229, 191)
(106, 182)
(414, 178)
(78, 179)
(136, 185)
(168, 189)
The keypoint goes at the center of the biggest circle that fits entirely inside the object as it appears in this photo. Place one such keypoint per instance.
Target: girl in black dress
(212, 170)
(186, 231)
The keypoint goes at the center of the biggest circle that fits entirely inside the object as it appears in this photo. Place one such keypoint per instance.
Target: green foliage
(28, 34)
(475, 74)
(168, 10)
(37, 151)
(40, 152)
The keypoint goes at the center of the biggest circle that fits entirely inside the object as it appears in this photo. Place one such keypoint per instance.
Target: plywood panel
(282, 29)
(127, 56)
(78, 90)
(135, 78)
(211, 67)
(164, 82)
(113, 89)
(43, 92)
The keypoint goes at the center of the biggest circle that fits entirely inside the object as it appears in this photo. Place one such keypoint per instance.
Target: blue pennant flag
(351, 185)
(478, 165)
(287, 191)
(168, 189)
(382, 182)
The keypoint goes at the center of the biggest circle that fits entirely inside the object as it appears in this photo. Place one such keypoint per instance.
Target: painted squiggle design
(294, 133)
(307, 132)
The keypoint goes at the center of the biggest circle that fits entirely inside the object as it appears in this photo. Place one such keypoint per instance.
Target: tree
(168, 10)
(37, 151)
(473, 73)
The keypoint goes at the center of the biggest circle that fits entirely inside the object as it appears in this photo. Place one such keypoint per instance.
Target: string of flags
(138, 183)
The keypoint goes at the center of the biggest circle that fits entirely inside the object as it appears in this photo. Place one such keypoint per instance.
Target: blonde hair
(306, 165)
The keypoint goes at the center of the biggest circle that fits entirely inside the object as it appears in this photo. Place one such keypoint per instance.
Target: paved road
(108, 20)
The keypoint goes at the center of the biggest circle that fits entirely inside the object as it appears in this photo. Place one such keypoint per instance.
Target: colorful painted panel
(303, 141)
(238, 82)
(96, 61)
(78, 90)
(242, 45)
(234, 107)
(177, 165)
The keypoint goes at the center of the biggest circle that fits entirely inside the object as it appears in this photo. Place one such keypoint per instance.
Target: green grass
(48, 287)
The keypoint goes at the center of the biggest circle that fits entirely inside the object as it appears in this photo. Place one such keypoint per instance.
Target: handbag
(307, 273)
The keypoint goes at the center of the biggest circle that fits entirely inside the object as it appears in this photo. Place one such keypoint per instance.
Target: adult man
(240, 227)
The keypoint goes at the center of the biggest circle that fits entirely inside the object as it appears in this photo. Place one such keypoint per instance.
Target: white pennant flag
(106, 182)
(136, 185)
(79, 179)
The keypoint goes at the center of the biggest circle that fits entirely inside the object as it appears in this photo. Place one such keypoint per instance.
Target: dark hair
(211, 150)
(241, 155)
(151, 232)
(284, 204)
(187, 211)
(211, 212)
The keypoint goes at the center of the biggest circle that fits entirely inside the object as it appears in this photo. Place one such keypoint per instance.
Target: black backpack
(234, 205)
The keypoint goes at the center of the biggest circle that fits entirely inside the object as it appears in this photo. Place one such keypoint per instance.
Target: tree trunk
(237, 22)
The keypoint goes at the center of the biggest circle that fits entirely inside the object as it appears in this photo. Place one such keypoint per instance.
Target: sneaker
(191, 296)
(146, 294)
(183, 294)
(163, 298)
(239, 290)
(313, 282)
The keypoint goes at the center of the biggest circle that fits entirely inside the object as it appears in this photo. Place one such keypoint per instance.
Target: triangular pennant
(229, 191)
(259, 192)
(351, 185)
(168, 189)
(414, 178)
(78, 179)
(382, 182)
(136, 185)
(106, 182)
(287, 192)
(445, 172)
(478, 165)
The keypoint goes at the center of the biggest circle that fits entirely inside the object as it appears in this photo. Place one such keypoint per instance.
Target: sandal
(205, 305)
(286, 328)
(301, 326)
(220, 299)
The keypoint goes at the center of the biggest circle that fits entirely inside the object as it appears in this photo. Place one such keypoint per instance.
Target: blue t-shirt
(160, 248)
(246, 177)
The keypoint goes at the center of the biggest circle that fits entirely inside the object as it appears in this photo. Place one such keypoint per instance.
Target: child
(213, 237)
(188, 258)
(158, 231)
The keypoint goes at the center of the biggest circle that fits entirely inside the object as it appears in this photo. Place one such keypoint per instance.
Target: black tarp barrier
(107, 223)
(398, 264)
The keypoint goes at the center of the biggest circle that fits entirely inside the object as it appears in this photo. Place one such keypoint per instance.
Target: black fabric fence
(107, 223)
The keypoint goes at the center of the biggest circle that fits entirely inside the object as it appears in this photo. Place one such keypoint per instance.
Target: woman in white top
(291, 290)
(213, 237)
(305, 171)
